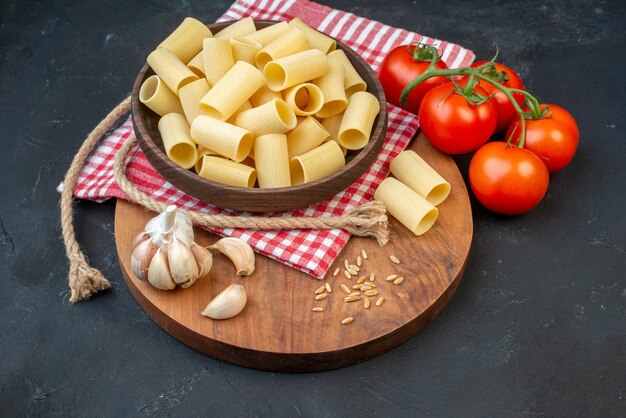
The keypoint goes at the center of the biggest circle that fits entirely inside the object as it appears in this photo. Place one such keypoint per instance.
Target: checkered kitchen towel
(310, 251)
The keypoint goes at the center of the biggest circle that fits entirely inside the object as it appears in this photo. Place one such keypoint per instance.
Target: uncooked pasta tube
(244, 49)
(409, 208)
(239, 28)
(177, 142)
(317, 163)
(264, 95)
(158, 97)
(272, 161)
(358, 119)
(295, 69)
(332, 125)
(266, 35)
(170, 69)
(288, 43)
(190, 95)
(307, 135)
(332, 86)
(218, 58)
(245, 106)
(197, 64)
(272, 117)
(306, 98)
(352, 80)
(202, 151)
(232, 90)
(228, 140)
(227, 172)
(186, 40)
(316, 39)
(413, 171)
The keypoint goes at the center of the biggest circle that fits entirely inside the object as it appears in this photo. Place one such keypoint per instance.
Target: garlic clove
(139, 238)
(239, 252)
(204, 258)
(141, 257)
(183, 266)
(159, 271)
(227, 304)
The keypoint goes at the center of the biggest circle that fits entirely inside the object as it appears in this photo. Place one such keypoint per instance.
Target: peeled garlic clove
(183, 266)
(141, 257)
(239, 252)
(227, 304)
(159, 271)
(204, 258)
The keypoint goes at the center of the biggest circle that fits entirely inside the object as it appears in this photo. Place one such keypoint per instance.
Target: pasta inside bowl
(230, 106)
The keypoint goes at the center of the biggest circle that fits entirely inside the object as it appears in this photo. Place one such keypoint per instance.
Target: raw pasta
(413, 171)
(218, 58)
(272, 160)
(332, 125)
(307, 135)
(228, 140)
(317, 163)
(295, 69)
(177, 142)
(197, 64)
(264, 95)
(189, 97)
(409, 208)
(352, 80)
(358, 119)
(227, 172)
(244, 49)
(170, 69)
(158, 97)
(306, 98)
(232, 90)
(266, 35)
(332, 87)
(287, 44)
(202, 151)
(317, 39)
(186, 40)
(272, 117)
(239, 28)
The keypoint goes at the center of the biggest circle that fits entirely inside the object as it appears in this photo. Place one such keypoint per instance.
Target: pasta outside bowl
(145, 123)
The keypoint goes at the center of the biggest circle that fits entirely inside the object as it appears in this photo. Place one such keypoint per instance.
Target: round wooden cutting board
(277, 330)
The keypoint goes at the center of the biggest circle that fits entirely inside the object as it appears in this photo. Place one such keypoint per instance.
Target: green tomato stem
(432, 71)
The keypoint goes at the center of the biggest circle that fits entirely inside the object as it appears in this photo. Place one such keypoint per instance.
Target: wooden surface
(277, 329)
(259, 200)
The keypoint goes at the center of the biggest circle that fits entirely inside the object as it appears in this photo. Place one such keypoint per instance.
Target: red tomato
(399, 69)
(554, 139)
(505, 110)
(451, 124)
(507, 179)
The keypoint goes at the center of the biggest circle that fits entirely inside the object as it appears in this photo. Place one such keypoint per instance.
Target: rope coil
(367, 220)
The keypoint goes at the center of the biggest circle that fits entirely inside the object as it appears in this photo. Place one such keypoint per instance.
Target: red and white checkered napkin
(307, 250)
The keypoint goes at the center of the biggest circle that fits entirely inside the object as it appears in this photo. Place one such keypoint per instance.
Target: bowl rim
(372, 146)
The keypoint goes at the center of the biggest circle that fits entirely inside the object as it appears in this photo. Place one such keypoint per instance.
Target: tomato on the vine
(508, 78)
(453, 125)
(507, 179)
(554, 138)
(399, 68)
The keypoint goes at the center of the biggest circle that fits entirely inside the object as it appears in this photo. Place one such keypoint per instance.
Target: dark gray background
(536, 327)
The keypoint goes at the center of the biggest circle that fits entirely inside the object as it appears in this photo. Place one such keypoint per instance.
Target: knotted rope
(368, 220)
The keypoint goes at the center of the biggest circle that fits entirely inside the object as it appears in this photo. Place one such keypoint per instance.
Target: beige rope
(369, 219)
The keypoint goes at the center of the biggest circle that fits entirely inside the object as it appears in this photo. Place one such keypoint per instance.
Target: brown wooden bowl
(259, 200)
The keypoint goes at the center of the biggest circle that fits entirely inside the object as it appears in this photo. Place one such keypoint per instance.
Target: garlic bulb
(165, 253)
(228, 303)
(239, 252)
